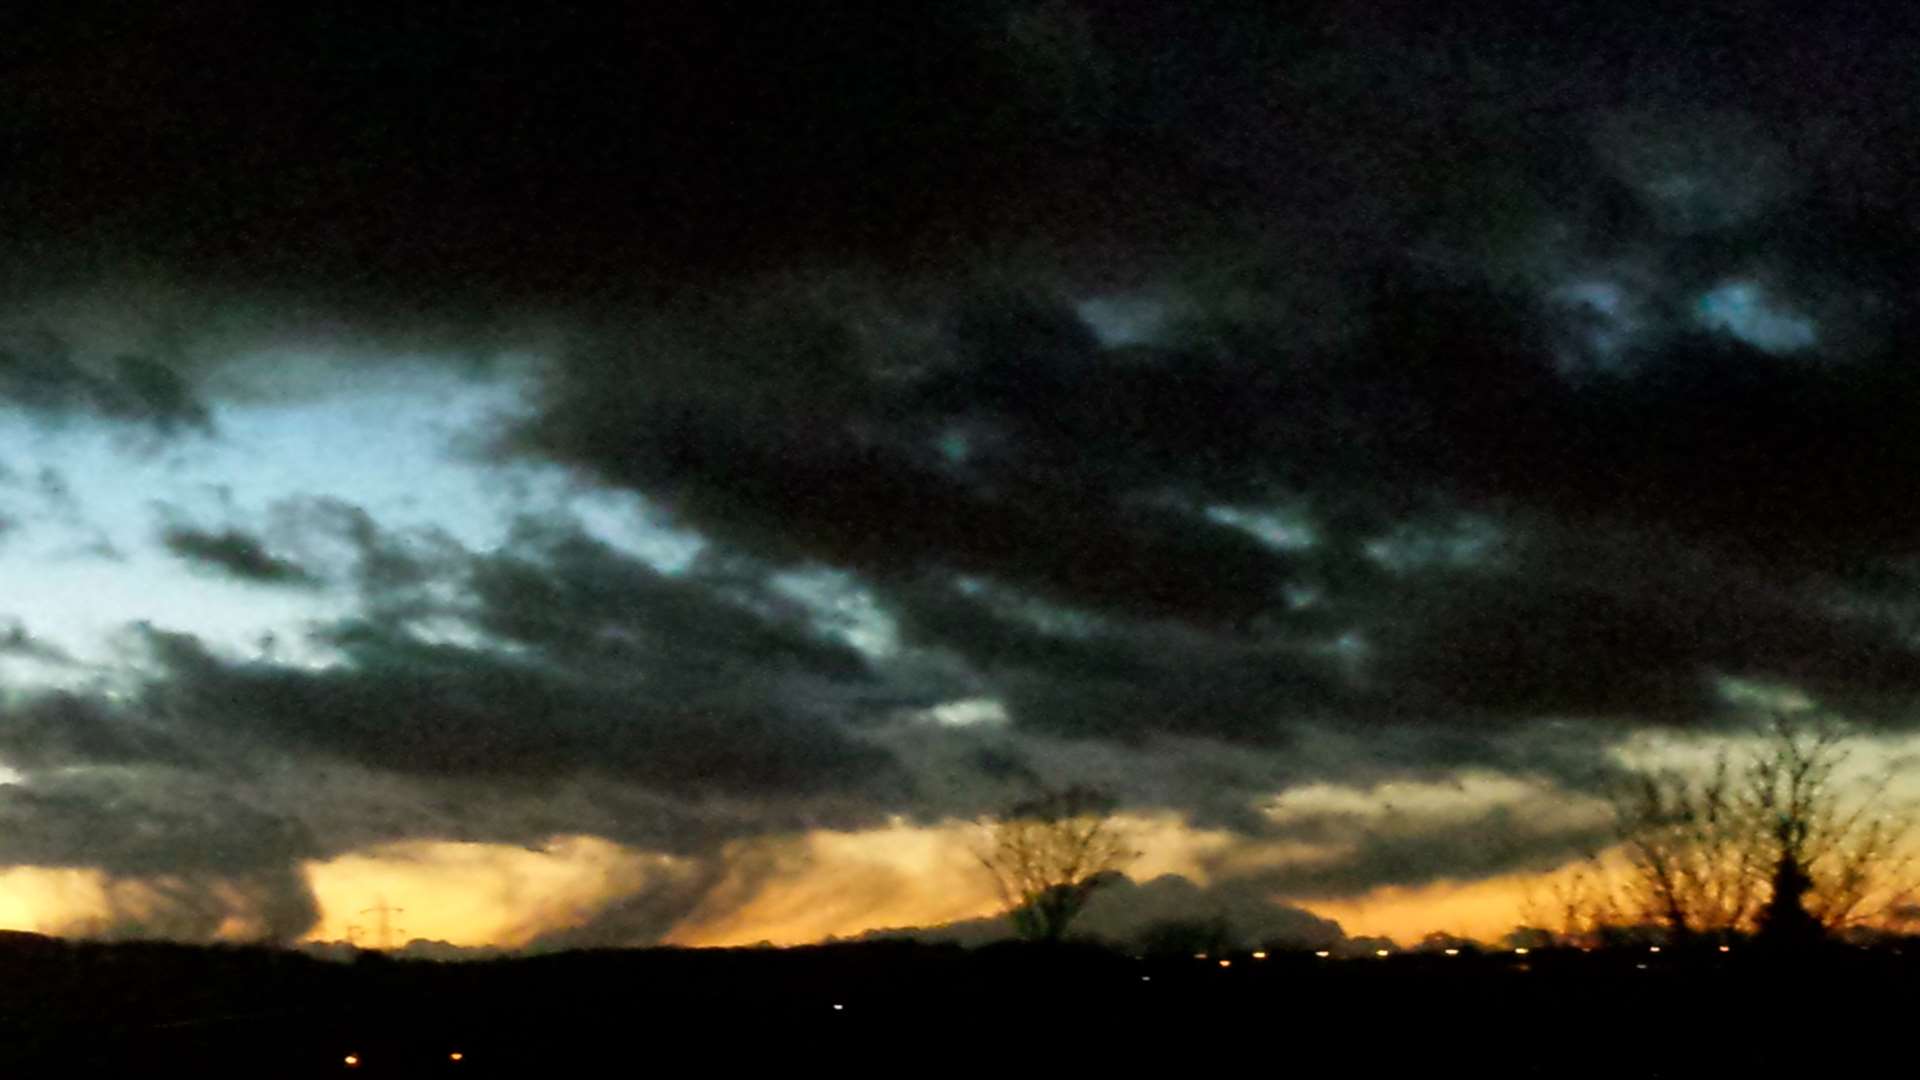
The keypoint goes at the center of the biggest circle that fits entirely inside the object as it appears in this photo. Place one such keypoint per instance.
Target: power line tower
(386, 913)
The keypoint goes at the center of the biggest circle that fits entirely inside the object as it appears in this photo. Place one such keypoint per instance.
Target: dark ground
(123, 1010)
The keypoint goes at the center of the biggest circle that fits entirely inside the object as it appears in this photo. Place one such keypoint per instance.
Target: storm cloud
(618, 424)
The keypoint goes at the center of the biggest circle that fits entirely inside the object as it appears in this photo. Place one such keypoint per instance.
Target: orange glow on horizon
(51, 900)
(476, 894)
(1482, 910)
(844, 884)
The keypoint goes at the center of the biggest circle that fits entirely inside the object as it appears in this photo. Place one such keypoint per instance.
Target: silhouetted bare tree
(1048, 855)
(1776, 845)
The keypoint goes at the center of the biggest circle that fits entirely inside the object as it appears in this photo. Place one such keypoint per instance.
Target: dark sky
(658, 470)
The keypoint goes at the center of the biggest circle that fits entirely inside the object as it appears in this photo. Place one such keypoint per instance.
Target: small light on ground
(1226, 963)
(1521, 951)
(1146, 978)
(456, 1056)
(1259, 956)
(1453, 952)
(1382, 952)
(1726, 948)
(1323, 954)
(1642, 967)
(352, 1061)
(1653, 948)
(1199, 956)
(839, 1008)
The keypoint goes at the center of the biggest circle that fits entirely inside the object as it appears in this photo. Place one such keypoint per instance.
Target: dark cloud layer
(570, 695)
(1728, 498)
(435, 152)
(181, 858)
(38, 374)
(1198, 376)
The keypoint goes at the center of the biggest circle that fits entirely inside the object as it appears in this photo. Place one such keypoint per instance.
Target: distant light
(1146, 978)
(1199, 956)
(456, 1056)
(1226, 963)
(1323, 954)
(1382, 952)
(1642, 967)
(1726, 948)
(1259, 956)
(352, 1061)
(839, 1008)
(1653, 948)
(1521, 951)
(1453, 952)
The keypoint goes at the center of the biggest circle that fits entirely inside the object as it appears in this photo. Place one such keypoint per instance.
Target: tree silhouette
(1776, 845)
(1049, 854)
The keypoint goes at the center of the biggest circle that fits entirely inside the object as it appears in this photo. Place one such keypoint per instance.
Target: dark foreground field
(83, 1010)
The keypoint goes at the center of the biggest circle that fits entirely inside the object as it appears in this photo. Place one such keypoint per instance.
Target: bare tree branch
(1049, 854)
(1779, 846)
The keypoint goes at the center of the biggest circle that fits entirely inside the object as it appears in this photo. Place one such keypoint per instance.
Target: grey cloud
(579, 601)
(181, 858)
(592, 662)
(1697, 172)
(237, 554)
(16, 640)
(388, 568)
(1084, 493)
(842, 468)
(144, 824)
(1629, 626)
(1500, 840)
(715, 883)
(51, 729)
(146, 390)
(274, 906)
(39, 374)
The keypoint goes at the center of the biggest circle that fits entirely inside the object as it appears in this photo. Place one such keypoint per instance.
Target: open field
(80, 1009)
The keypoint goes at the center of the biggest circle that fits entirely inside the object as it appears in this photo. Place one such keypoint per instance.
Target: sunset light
(556, 541)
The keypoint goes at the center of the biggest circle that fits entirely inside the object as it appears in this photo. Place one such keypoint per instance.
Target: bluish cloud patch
(1745, 310)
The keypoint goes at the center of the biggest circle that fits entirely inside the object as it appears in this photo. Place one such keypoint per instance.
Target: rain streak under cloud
(580, 527)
